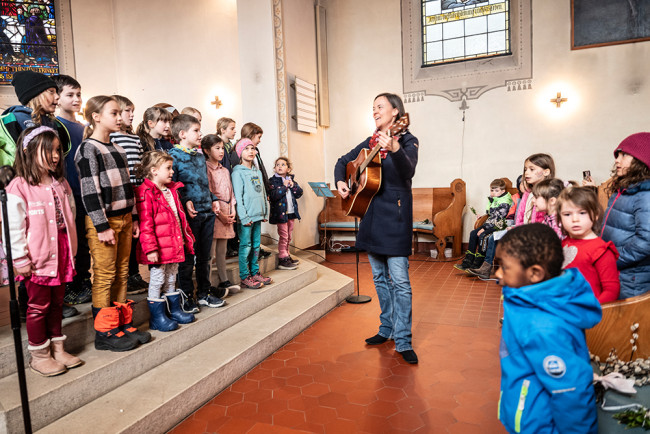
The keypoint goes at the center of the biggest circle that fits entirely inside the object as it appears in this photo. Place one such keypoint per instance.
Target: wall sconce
(217, 102)
(558, 100)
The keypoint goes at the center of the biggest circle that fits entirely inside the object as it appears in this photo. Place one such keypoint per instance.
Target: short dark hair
(63, 80)
(395, 101)
(183, 123)
(208, 142)
(498, 183)
(534, 244)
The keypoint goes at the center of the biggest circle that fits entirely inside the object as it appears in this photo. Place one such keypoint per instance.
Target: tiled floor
(326, 380)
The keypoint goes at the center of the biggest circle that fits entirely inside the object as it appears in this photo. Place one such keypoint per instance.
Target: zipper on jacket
(602, 229)
(499, 405)
(521, 405)
(399, 208)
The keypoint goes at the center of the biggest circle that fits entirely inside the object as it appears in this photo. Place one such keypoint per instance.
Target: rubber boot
(60, 355)
(467, 262)
(126, 318)
(158, 317)
(42, 362)
(175, 311)
(108, 335)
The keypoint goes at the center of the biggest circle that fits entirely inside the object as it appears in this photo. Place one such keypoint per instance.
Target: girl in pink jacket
(537, 167)
(43, 244)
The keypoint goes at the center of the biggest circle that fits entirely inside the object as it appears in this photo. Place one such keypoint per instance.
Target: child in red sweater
(580, 214)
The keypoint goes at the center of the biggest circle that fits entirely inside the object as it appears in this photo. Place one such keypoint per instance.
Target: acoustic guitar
(363, 175)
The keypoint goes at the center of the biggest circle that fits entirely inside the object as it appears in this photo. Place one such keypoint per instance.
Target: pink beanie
(638, 146)
(239, 147)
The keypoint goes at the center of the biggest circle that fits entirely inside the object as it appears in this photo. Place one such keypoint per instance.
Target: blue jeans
(202, 227)
(249, 248)
(391, 277)
(491, 248)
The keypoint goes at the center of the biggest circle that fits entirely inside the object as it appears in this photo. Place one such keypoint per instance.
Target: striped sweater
(131, 145)
(106, 190)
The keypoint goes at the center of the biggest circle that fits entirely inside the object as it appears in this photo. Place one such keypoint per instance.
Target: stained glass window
(27, 38)
(456, 30)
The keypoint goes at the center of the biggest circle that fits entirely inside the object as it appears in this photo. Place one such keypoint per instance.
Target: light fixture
(558, 100)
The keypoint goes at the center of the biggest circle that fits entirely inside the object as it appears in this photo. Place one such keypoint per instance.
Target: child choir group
(166, 197)
(560, 256)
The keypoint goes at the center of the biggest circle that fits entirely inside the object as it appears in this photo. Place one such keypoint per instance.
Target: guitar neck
(369, 158)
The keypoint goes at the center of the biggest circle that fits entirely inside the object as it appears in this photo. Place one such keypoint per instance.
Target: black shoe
(136, 285)
(114, 342)
(219, 291)
(286, 264)
(69, 311)
(264, 253)
(78, 295)
(231, 253)
(210, 300)
(188, 304)
(294, 260)
(409, 356)
(376, 340)
(467, 262)
(477, 262)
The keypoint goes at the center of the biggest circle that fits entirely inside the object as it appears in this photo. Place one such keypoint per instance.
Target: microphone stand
(15, 317)
(357, 299)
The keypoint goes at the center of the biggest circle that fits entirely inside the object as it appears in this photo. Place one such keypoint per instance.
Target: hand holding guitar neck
(391, 144)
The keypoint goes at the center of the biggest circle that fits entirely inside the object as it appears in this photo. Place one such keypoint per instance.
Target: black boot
(108, 335)
(467, 262)
(477, 262)
(126, 322)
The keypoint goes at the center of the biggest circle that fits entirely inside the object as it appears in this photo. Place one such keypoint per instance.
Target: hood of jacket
(568, 296)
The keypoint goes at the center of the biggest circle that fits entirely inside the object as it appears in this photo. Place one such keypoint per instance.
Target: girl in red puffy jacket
(163, 234)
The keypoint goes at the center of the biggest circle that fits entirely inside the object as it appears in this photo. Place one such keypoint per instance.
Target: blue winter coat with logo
(546, 377)
(627, 225)
(248, 186)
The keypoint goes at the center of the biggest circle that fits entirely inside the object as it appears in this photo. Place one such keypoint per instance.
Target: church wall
(607, 89)
(182, 53)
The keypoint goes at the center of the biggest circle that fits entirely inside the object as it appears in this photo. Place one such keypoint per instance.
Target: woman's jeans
(391, 277)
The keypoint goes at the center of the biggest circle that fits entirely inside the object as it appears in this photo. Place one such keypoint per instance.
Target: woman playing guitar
(386, 228)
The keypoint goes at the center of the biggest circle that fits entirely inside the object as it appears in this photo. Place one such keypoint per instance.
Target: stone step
(79, 329)
(51, 398)
(160, 398)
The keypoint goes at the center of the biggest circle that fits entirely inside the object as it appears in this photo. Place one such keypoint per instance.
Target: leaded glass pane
(455, 30)
(27, 38)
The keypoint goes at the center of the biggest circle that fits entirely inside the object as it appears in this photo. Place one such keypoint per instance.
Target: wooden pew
(436, 212)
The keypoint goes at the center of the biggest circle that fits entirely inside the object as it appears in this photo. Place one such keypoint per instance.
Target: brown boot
(59, 354)
(483, 272)
(42, 362)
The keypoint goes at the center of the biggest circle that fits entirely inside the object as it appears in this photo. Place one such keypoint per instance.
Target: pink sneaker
(263, 280)
(251, 283)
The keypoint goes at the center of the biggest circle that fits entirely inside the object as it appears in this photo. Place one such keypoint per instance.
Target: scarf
(374, 141)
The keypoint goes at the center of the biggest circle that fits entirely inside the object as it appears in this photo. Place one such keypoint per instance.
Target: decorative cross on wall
(559, 100)
(217, 102)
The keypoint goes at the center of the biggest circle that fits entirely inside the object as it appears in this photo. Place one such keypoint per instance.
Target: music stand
(322, 190)
(357, 299)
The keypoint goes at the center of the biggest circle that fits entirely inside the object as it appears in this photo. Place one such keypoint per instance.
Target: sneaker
(264, 253)
(211, 300)
(286, 264)
(188, 304)
(219, 291)
(263, 280)
(294, 260)
(251, 283)
(134, 285)
(69, 311)
(232, 289)
(77, 294)
(231, 253)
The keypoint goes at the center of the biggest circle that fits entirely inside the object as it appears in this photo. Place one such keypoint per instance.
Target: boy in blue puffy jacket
(546, 377)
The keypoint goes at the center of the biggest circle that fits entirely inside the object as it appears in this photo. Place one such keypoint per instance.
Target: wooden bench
(436, 212)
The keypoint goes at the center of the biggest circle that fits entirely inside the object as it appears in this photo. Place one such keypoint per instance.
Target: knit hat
(30, 84)
(241, 145)
(638, 146)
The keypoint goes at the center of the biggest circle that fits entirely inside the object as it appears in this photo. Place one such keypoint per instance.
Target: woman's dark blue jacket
(387, 226)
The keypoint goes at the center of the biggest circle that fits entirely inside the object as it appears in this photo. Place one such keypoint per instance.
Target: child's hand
(107, 236)
(135, 230)
(248, 224)
(25, 271)
(190, 209)
(215, 208)
(287, 183)
(231, 219)
(153, 256)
